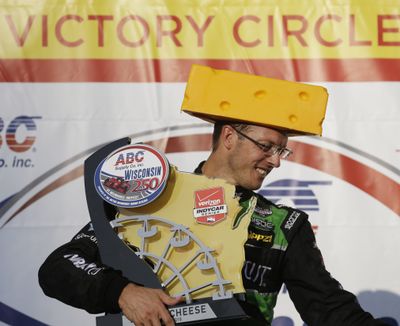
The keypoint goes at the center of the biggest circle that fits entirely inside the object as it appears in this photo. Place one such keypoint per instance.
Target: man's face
(248, 163)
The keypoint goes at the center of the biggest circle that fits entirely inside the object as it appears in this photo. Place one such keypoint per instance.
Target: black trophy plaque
(116, 254)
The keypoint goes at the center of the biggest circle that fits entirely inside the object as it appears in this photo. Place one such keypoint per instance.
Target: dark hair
(218, 129)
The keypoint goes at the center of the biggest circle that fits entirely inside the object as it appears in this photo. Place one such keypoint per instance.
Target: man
(243, 154)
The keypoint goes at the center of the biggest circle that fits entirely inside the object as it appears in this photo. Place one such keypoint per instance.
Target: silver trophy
(142, 264)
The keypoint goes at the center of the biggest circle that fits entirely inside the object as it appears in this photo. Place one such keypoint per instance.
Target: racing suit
(281, 248)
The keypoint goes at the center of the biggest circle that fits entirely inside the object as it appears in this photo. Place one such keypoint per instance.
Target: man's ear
(228, 137)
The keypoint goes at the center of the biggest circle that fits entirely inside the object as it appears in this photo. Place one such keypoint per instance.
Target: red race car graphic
(117, 184)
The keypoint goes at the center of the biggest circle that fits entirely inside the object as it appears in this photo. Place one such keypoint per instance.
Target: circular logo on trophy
(132, 176)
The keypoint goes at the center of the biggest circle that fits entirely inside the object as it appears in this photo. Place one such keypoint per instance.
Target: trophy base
(207, 311)
(201, 312)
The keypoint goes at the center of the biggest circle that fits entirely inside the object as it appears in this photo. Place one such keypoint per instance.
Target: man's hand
(145, 306)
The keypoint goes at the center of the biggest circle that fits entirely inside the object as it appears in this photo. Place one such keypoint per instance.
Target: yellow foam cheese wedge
(193, 234)
(213, 94)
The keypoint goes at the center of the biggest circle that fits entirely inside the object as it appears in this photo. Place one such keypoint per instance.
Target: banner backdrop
(76, 75)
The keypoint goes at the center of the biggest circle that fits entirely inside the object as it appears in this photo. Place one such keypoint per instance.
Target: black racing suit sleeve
(317, 296)
(75, 275)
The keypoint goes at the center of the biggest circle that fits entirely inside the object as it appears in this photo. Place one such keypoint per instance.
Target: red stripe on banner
(176, 70)
(190, 143)
(369, 180)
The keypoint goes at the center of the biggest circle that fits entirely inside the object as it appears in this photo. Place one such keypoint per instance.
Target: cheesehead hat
(213, 95)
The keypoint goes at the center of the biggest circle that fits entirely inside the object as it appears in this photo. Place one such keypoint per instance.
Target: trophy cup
(169, 230)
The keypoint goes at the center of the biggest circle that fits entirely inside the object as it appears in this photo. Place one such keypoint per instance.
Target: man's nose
(274, 160)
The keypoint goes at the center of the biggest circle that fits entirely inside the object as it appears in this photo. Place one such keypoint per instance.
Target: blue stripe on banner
(297, 183)
(308, 209)
(13, 317)
(305, 202)
(290, 192)
(2, 203)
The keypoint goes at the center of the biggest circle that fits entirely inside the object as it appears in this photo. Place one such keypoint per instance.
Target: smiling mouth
(262, 172)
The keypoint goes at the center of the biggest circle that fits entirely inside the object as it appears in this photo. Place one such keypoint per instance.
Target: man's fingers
(155, 320)
(167, 319)
(168, 300)
(146, 307)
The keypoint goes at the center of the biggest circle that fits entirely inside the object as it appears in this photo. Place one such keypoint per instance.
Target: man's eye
(267, 147)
